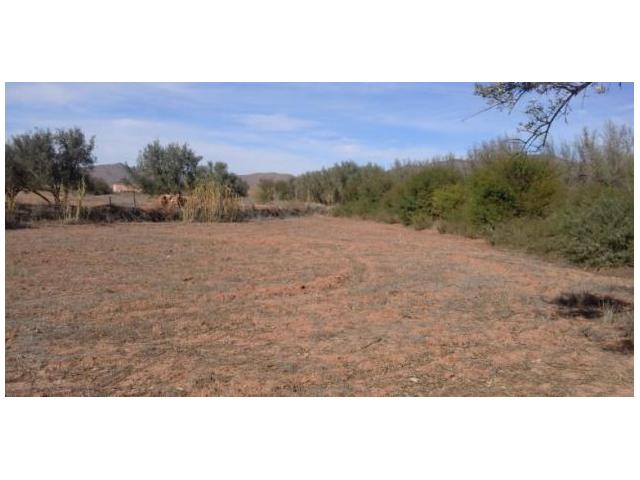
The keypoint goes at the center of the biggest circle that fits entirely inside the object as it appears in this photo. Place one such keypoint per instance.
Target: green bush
(97, 186)
(266, 190)
(449, 201)
(413, 200)
(509, 186)
(534, 235)
(593, 227)
(269, 190)
(597, 228)
(364, 191)
(576, 204)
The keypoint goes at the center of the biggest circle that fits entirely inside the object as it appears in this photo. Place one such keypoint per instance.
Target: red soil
(306, 306)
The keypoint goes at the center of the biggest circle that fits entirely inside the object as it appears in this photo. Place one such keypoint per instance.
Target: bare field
(304, 306)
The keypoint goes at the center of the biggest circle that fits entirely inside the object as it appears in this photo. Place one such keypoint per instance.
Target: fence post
(109, 201)
(134, 199)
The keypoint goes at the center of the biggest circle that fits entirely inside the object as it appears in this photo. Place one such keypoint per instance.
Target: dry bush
(70, 213)
(82, 190)
(210, 201)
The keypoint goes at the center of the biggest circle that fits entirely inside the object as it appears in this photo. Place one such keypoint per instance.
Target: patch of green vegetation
(575, 204)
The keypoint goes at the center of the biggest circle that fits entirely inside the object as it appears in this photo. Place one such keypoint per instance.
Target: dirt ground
(304, 306)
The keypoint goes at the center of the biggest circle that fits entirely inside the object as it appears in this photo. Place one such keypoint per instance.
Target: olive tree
(74, 156)
(170, 169)
(42, 161)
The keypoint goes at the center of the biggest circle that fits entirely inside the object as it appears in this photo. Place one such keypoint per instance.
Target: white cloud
(41, 93)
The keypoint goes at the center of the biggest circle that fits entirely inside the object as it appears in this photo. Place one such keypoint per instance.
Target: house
(121, 187)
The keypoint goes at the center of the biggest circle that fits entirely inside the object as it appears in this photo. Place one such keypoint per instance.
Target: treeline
(60, 162)
(574, 201)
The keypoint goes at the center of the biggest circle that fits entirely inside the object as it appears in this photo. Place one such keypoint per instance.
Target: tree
(42, 161)
(73, 157)
(30, 157)
(16, 177)
(169, 169)
(220, 173)
(541, 114)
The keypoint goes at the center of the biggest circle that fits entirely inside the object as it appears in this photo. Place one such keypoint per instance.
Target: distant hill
(111, 173)
(253, 178)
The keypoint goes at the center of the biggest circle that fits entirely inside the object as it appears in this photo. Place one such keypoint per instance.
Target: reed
(70, 213)
(82, 191)
(209, 201)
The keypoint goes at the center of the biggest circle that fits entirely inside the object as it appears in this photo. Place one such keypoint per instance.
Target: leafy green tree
(220, 173)
(97, 186)
(364, 191)
(30, 157)
(51, 162)
(170, 169)
(16, 176)
(73, 157)
(326, 186)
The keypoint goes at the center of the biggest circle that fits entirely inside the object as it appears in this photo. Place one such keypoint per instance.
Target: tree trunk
(41, 196)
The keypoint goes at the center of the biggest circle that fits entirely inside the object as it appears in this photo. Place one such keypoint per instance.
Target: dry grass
(211, 202)
(302, 306)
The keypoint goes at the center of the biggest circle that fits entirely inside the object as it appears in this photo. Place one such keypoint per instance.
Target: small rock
(413, 379)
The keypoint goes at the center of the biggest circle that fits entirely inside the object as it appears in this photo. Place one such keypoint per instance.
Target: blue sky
(287, 127)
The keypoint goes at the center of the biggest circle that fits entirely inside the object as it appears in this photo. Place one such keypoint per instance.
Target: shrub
(219, 172)
(364, 191)
(97, 186)
(449, 201)
(509, 186)
(413, 200)
(269, 190)
(326, 186)
(266, 190)
(596, 228)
